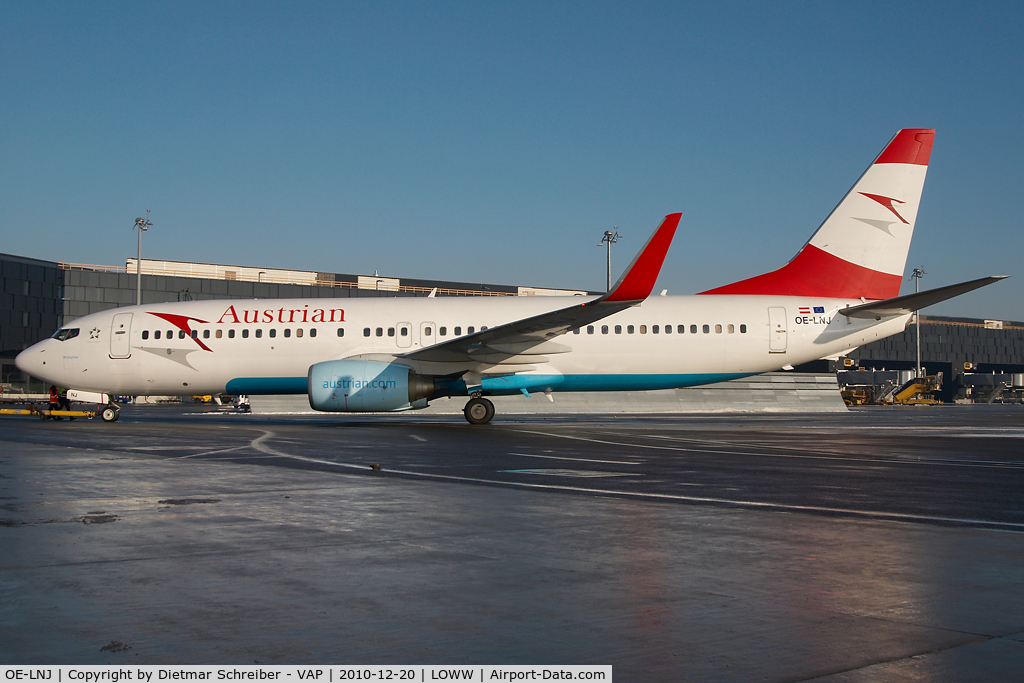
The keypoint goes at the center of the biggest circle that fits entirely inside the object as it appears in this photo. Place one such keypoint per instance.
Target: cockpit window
(65, 333)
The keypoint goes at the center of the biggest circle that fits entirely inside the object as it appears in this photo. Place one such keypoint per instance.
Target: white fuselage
(267, 346)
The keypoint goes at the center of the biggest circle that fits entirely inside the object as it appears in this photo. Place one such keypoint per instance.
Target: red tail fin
(861, 248)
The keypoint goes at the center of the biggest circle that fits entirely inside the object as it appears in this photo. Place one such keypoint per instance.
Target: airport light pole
(610, 238)
(142, 224)
(917, 275)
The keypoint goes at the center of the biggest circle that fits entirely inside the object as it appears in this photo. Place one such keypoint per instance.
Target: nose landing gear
(478, 411)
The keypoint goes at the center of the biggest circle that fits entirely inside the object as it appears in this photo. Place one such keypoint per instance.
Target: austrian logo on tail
(887, 202)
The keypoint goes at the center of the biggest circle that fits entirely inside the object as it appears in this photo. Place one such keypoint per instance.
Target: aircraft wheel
(110, 414)
(478, 411)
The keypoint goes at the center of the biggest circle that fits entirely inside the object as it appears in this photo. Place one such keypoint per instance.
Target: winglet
(638, 281)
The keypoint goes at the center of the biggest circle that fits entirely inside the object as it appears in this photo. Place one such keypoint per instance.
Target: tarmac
(882, 544)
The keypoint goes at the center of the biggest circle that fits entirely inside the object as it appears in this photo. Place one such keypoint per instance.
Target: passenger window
(245, 334)
(195, 334)
(181, 334)
(654, 329)
(156, 334)
(220, 334)
(743, 329)
(618, 329)
(259, 333)
(312, 332)
(145, 334)
(470, 330)
(590, 329)
(298, 332)
(427, 331)
(681, 329)
(170, 334)
(604, 329)
(668, 329)
(443, 331)
(732, 329)
(287, 332)
(231, 334)
(341, 332)
(404, 331)
(643, 329)
(718, 329)
(366, 331)
(206, 334)
(273, 332)
(575, 330)
(693, 329)
(629, 329)
(706, 328)
(483, 328)
(458, 331)
(380, 331)
(391, 332)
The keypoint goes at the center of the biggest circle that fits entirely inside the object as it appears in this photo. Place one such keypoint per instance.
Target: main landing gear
(478, 411)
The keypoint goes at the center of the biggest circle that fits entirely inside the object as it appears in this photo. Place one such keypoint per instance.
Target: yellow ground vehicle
(107, 413)
(917, 391)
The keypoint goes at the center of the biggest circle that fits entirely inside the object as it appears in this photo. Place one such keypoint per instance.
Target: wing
(901, 305)
(523, 341)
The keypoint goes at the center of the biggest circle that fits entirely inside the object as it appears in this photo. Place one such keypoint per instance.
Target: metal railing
(446, 291)
(925, 320)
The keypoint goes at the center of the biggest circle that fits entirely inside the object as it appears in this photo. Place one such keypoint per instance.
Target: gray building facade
(40, 297)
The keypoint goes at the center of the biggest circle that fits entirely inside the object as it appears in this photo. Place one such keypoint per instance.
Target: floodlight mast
(610, 238)
(917, 275)
(142, 224)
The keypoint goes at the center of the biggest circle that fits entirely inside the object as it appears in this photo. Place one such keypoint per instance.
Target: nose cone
(34, 361)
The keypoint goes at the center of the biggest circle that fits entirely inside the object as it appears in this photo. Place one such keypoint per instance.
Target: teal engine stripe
(266, 385)
(514, 384)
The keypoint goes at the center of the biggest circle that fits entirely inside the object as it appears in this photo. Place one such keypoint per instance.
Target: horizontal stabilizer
(909, 303)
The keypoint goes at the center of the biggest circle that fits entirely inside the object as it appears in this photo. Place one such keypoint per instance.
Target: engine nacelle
(363, 386)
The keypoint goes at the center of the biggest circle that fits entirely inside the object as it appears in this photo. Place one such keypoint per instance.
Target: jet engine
(364, 386)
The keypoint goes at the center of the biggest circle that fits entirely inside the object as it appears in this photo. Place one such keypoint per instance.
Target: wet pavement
(875, 545)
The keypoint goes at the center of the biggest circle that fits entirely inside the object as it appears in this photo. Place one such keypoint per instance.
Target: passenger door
(120, 336)
(776, 329)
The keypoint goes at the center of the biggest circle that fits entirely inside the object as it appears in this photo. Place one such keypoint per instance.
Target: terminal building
(40, 297)
(979, 360)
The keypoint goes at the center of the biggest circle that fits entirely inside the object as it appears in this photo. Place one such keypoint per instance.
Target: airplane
(840, 291)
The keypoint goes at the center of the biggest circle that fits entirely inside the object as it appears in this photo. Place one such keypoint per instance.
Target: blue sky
(496, 142)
